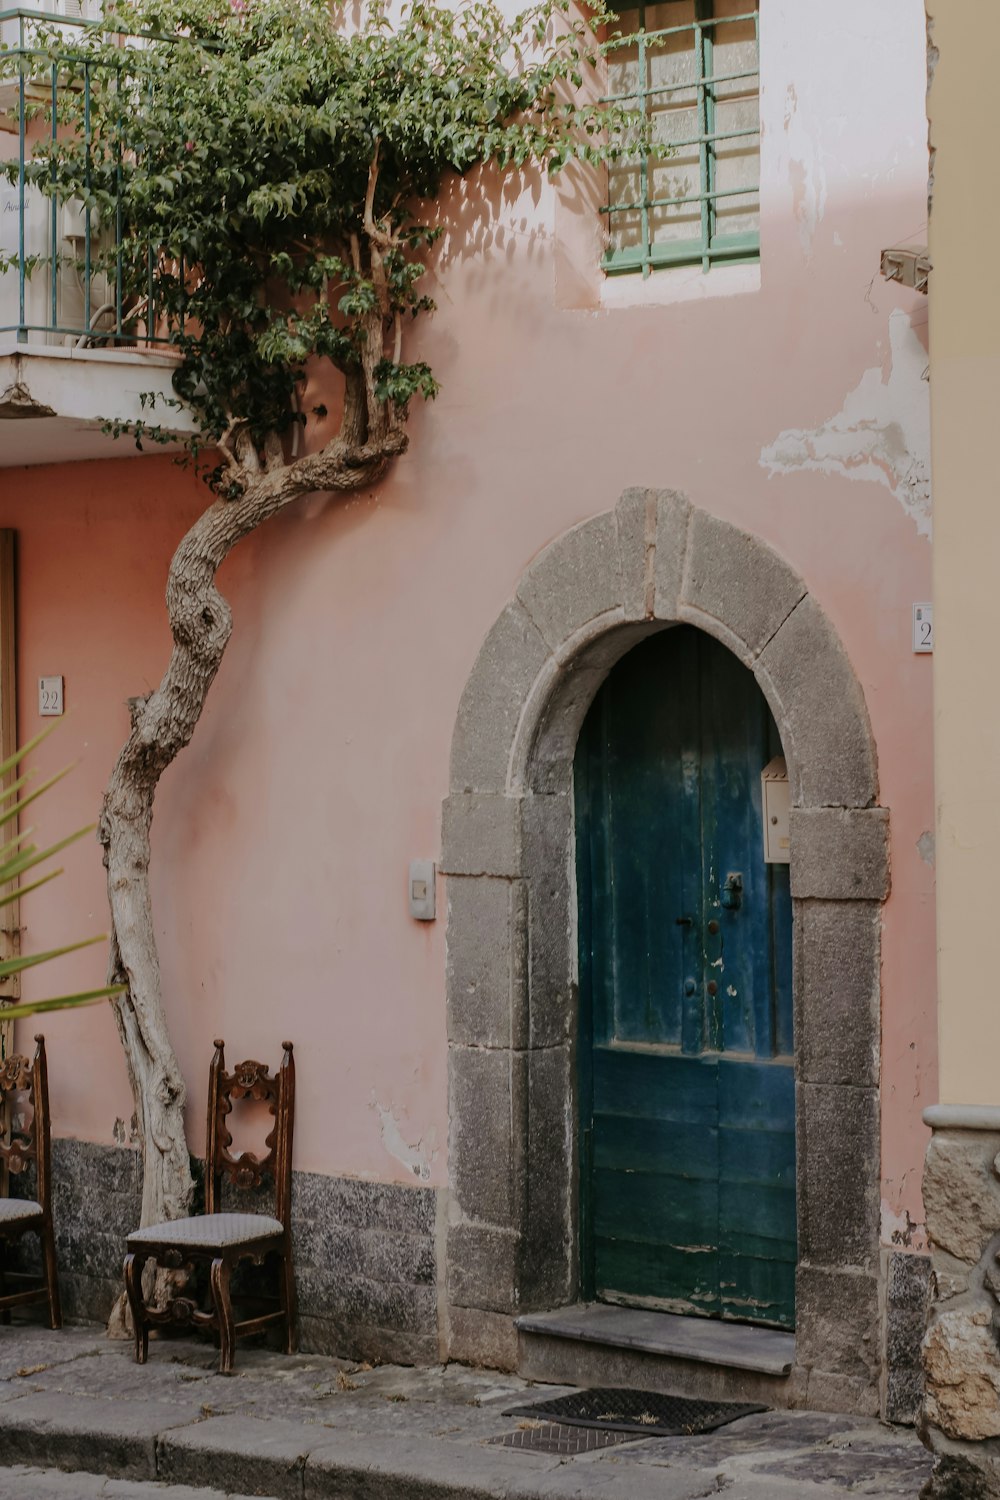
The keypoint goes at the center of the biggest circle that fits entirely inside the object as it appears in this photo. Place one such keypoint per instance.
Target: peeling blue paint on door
(686, 1072)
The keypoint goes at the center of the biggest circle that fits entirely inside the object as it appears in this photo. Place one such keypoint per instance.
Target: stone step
(594, 1344)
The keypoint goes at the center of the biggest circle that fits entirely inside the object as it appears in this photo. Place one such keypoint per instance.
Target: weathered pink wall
(282, 836)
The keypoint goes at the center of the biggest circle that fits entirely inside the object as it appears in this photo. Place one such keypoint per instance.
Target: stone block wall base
(482, 1338)
(365, 1253)
(907, 1303)
(960, 1417)
(956, 1477)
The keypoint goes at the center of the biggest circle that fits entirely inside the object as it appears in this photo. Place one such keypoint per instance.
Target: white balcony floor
(54, 400)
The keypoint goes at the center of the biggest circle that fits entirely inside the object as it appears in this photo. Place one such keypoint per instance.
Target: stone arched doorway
(507, 849)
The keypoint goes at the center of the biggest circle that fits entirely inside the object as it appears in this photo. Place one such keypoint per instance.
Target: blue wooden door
(686, 1075)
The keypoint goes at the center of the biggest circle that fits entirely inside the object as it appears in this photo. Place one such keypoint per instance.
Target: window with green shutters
(691, 67)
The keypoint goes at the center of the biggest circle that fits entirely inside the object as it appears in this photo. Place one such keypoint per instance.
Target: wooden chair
(24, 1138)
(224, 1239)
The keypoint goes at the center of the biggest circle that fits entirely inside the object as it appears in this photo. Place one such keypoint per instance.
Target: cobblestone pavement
(308, 1427)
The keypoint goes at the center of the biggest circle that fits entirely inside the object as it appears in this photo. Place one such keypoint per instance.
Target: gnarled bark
(162, 724)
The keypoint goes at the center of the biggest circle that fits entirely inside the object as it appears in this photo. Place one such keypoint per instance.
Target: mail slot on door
(775, 803)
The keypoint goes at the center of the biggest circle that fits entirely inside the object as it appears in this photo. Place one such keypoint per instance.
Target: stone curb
(306, 1428)
(95, 1434)
(286, 1460)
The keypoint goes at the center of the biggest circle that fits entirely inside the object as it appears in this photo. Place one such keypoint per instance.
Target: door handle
(732, 891)
(683, 921)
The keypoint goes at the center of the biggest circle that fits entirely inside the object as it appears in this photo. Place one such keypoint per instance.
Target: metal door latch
(732, 891)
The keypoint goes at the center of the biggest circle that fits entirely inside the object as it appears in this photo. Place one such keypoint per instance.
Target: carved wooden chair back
(221, 1237)
(24, 1142)
(22, 1123)
(246, 1171)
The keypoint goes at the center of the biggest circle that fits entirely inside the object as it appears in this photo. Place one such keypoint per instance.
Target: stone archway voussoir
(820, 712)
(509, 662)
(736, 581)
(575, 579)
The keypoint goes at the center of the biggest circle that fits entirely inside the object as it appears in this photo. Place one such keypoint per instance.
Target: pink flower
(189, 145)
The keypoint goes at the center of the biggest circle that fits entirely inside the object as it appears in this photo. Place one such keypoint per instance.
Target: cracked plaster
(881, 433)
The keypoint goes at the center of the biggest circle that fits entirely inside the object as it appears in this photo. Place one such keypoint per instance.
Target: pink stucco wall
(789, 400)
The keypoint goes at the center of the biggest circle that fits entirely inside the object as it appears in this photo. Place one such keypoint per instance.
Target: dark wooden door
(686, 1075)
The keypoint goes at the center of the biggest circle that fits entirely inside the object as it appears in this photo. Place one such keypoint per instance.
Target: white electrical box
(422, 889)
(776, 803)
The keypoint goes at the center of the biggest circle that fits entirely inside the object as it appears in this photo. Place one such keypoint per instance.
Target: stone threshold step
(734, 1345)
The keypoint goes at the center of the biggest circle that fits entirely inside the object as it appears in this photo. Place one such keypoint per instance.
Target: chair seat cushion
(209, 1231)
(13, 1209)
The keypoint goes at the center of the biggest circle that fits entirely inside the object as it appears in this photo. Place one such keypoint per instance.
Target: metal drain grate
(639, 1412)
(553, 1437)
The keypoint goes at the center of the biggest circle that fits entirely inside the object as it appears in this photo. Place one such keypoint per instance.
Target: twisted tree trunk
(162, 724)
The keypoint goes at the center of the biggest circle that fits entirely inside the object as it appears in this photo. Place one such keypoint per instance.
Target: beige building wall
(961, 1181)
(965, 405)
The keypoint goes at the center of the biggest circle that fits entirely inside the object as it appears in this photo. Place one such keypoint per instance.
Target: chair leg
(132, 1270)
(218, 1280)
(289, 1302)
(51, 1276)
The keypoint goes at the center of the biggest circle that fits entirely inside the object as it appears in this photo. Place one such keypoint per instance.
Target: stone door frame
(508, 853)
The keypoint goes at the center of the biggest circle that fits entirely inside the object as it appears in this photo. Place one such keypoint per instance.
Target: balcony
(75, 352)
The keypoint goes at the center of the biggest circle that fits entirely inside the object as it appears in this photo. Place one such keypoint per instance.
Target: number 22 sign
(50, 695)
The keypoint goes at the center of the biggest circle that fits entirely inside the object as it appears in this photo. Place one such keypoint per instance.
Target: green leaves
(399, 383)
(274, 176)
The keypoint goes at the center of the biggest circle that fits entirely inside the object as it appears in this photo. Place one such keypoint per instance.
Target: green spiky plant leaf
(19, 856)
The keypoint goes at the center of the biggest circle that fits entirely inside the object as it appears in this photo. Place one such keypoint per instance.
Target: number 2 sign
(923, 627)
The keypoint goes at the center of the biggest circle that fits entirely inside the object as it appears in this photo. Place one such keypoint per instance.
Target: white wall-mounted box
(423, 875)
(776, 803)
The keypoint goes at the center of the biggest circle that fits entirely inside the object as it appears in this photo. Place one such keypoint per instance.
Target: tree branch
(354, 422)
(274, 453)
(201, 623)
(225, 444)
(369, 218)
(246, 449)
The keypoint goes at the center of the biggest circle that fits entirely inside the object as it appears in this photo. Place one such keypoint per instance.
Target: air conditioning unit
(71, 295)
(71, 310)
(37, 294)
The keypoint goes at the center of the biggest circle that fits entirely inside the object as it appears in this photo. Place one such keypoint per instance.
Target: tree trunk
(162, 724)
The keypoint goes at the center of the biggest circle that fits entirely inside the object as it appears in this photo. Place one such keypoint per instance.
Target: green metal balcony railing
(61, 280)
(696, 84)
